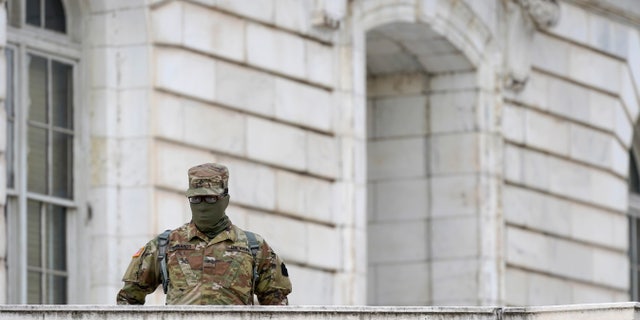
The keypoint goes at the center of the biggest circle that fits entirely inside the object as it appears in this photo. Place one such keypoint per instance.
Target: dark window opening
(48, 14)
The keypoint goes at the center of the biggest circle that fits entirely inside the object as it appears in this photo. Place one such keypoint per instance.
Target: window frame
(25, 39)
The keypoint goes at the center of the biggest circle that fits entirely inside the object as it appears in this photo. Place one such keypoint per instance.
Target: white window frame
(23, 39)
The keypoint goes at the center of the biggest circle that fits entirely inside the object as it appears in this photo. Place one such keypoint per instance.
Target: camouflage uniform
(207, 271)
(202, 271)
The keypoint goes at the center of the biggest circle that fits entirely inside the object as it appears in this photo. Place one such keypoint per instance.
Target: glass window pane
(34, 12)
(632, 242)
(34, 235)
(634, 177)
(38, 89)
(10, 155)
(61, 93)
(37, 160)
(57, 238)
(34, 287)
(56, 289)
(10, 78)
(54, 16)
(636, 287)
(633, 257)
(62, 156)
(632, 289)
(636, 238)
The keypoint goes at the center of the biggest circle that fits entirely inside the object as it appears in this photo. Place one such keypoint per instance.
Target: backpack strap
(254, 246)
(163, 241)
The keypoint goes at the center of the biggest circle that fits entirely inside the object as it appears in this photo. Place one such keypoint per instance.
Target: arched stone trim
(464, 29)
(75, 12)
(630, 91)
(454, 20)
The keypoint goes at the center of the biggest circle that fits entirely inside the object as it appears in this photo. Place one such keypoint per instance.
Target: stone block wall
(566, 161)
(251, 87)
(398, 225)
(117, 104)
(474, 193)
(504, 197)
(432, 230)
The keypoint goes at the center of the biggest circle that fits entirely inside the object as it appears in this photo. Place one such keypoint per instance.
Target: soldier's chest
(223, 264)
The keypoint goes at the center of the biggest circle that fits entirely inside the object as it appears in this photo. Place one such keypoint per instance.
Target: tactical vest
(163, 241)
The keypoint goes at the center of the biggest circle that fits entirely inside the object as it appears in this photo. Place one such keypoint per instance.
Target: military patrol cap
(208, 179)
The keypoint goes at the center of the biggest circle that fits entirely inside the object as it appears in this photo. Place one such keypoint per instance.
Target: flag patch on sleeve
(138, 253)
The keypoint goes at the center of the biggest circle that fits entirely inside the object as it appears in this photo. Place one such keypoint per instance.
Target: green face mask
(208, 217)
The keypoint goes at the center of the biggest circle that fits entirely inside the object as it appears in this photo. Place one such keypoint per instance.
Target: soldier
(208, 260)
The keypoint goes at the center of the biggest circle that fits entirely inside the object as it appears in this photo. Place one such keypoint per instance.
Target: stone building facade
(410, 152)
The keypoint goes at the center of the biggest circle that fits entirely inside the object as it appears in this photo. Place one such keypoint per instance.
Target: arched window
(41, 72)
(47, 14)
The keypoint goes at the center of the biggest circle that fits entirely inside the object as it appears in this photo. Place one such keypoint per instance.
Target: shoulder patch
(284, 270)
(138, 253)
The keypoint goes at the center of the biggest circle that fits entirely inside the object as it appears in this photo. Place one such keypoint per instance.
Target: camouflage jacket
(207, 271)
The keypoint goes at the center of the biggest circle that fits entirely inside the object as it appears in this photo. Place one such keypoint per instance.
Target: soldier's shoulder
(242, 234)
(181, 233)
(170, 233)
(181, 229)
(150, 247)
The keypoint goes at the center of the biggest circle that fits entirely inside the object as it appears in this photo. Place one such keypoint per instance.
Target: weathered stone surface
(278, 91)
(582, 312)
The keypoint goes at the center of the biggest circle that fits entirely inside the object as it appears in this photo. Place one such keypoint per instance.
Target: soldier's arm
(273, 282)
(142, 276)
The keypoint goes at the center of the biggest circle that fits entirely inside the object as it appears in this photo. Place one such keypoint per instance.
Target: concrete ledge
(615, 311)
